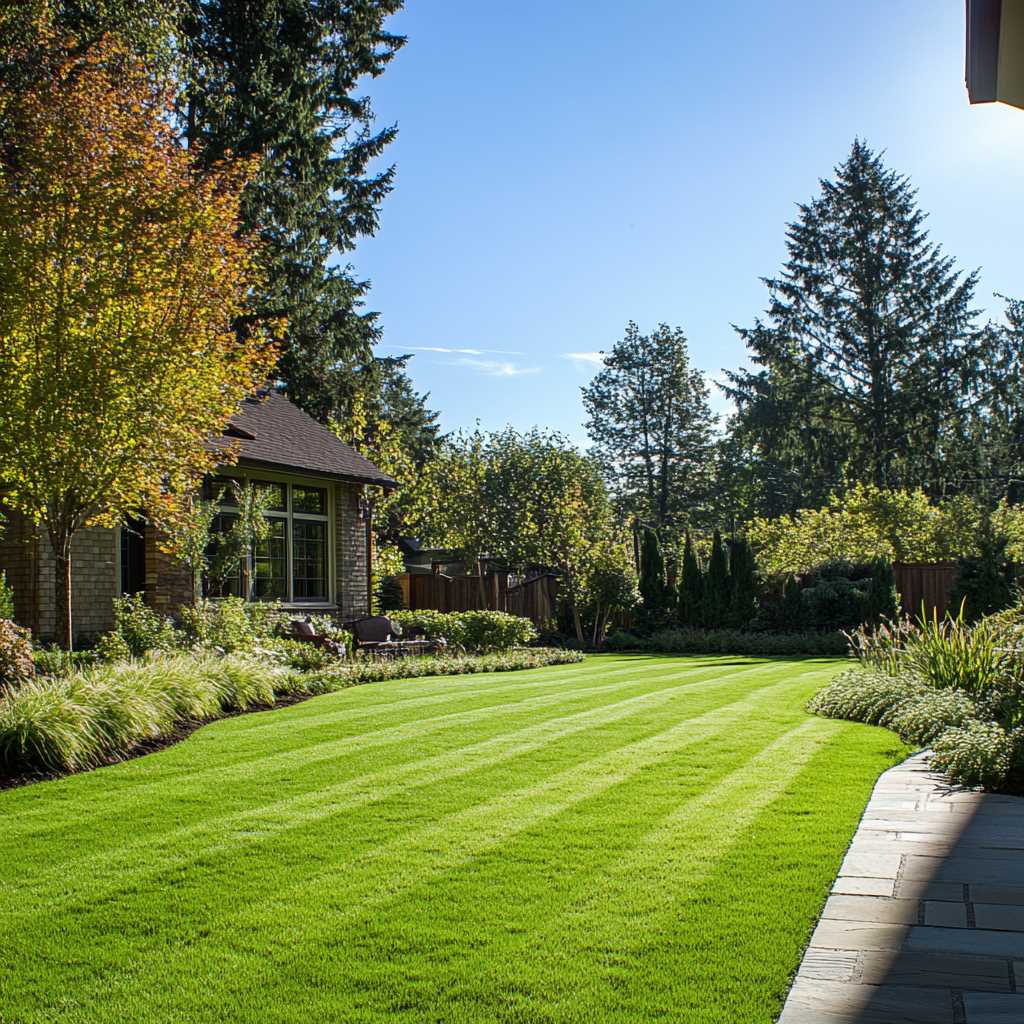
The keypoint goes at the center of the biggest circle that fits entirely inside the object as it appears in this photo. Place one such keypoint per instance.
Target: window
(293, 563)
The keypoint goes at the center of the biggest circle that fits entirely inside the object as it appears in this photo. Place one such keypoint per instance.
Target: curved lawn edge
(50, 728)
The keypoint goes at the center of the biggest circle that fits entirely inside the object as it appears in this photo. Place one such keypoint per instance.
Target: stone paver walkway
(925, 924)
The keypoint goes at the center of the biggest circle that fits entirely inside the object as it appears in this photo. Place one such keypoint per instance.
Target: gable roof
(271, 431)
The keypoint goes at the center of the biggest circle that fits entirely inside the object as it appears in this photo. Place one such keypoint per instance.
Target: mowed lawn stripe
(435, 877)
(215, 779)
(149, 853)
(384, 872)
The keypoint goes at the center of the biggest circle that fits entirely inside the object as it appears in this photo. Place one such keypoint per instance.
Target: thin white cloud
(496, 367)
(445, 350)
(585, 358)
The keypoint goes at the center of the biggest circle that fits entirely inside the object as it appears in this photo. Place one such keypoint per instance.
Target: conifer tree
(868, 354)
(742, 584)
(984, 583)
(651, 427)
(716, 585)
(691, 587)
(655, 594)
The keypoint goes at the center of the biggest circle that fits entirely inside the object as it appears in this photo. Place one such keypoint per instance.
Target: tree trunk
(65, 630)
(578, 623)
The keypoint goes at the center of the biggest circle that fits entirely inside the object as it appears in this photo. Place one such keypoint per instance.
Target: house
(995, 51)
(317, 557)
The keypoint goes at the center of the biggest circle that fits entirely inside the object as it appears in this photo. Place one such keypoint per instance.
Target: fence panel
(443, 593)
(536, 599)
(927, 584)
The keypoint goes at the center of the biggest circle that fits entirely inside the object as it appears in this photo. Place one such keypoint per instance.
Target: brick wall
(350, 542)
(27, 557)
(168, 582)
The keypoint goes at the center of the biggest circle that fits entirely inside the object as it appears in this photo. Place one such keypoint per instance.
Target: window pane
(277, 501)
(225, 575)
(270, 564)
(309, 560)
(311, 500)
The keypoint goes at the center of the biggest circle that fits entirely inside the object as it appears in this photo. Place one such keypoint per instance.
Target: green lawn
(627, 839)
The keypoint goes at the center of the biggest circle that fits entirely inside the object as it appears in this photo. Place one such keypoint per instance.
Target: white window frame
(290, 481)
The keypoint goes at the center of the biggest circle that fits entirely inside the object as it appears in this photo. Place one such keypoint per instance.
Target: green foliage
(883, 601)
(691, 587)
(881, 647)
(792, 604)
(869, 355)
(141, 628)
(110, 647)
(742, 584)
(985, 583)
(55, 661)
(223, 623)
(863, 695)
(6, 596)
(387, 590)
(716, 586)
(651, 427)
(922, 718)
(16, 664)
(975, 754)
(473, 631)
(390, 597)
(688, 640)
(657, 605)
(102, 714)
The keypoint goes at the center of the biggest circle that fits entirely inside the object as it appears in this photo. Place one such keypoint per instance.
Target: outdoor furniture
(304, 631)
(377, 634)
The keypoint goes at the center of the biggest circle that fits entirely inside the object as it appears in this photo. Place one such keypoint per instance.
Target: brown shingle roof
(269, 430)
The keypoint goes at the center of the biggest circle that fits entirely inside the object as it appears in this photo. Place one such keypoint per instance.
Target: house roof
(270, 431)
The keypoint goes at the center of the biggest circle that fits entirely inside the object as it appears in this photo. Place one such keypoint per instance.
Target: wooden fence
(535, 599)
(930, 584)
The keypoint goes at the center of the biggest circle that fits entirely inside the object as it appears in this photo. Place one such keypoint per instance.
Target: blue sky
(566, 166)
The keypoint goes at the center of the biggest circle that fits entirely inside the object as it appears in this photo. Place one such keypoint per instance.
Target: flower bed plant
(729, 641)
(945, 683)
(106, 712)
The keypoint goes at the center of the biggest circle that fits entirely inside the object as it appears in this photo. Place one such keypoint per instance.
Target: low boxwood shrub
(976, 754)
(473, 630)
(686, 640)
(16, 664)
(863, 695)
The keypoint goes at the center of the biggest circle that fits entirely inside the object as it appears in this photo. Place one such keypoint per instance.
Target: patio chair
(304, 631)
(378, 634)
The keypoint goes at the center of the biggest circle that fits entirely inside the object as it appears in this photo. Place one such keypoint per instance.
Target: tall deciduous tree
(868, 351)
(122, 273)
(651, 427)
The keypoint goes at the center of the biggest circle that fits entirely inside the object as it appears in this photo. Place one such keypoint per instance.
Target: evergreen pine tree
(883, 601)
(651, 426)
(742, 584)
(792, 605)
(869, 354)
(716, 585)
(390, 597)
(691, 587)
(279, 79)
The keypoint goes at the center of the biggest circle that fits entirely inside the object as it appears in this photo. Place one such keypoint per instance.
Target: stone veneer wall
(351, 553)
(27, 558)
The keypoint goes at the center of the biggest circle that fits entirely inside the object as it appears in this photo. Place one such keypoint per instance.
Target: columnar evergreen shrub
(742, 584)
(690, 601)
(716, 585)
(656, 598)
(985, 582)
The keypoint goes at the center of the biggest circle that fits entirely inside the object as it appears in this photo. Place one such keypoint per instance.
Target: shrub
(54, 661)
(111, 647)
(225, 623)
(141, 628)
(729, 641)
(861, 695)
(472, 631)
(975, 754)
(390, 597)
(6, 597)
(920, 719)
(16, 664)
